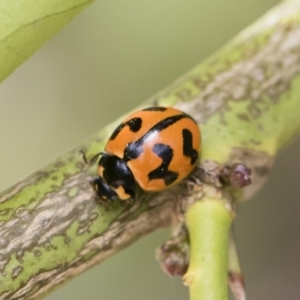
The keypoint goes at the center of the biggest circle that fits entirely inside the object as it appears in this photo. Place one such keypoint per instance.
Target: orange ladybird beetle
(155, 147)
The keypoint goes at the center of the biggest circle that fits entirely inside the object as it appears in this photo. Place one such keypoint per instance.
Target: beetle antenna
(92, 160)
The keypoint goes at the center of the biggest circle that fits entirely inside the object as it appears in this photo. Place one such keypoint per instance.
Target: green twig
(235, 276)
(208, 222)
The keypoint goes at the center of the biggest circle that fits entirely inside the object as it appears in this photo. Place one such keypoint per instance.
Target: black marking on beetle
(134, 149)
(188, 146)
(156, 108)
(134, 125)
(165, 152)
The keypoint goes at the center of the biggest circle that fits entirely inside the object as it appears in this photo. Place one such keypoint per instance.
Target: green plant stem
(235, 276)
(208, 222)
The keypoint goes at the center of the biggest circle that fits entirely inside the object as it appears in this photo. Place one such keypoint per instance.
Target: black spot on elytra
(134, 125)
(188, 146)
(155, 108)
(134, 149)
(165, 152)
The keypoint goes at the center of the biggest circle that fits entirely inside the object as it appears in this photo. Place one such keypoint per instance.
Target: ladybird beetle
(155, 147)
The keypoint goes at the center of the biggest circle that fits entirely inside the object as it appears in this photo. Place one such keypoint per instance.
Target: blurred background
(109, 59)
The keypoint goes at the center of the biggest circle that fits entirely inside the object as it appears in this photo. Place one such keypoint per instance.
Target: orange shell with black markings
(160, 145)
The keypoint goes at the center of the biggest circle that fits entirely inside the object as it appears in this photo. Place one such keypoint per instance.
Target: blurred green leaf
(25, 25)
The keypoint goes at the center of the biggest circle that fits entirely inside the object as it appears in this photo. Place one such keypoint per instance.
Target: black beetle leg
(92, 160)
